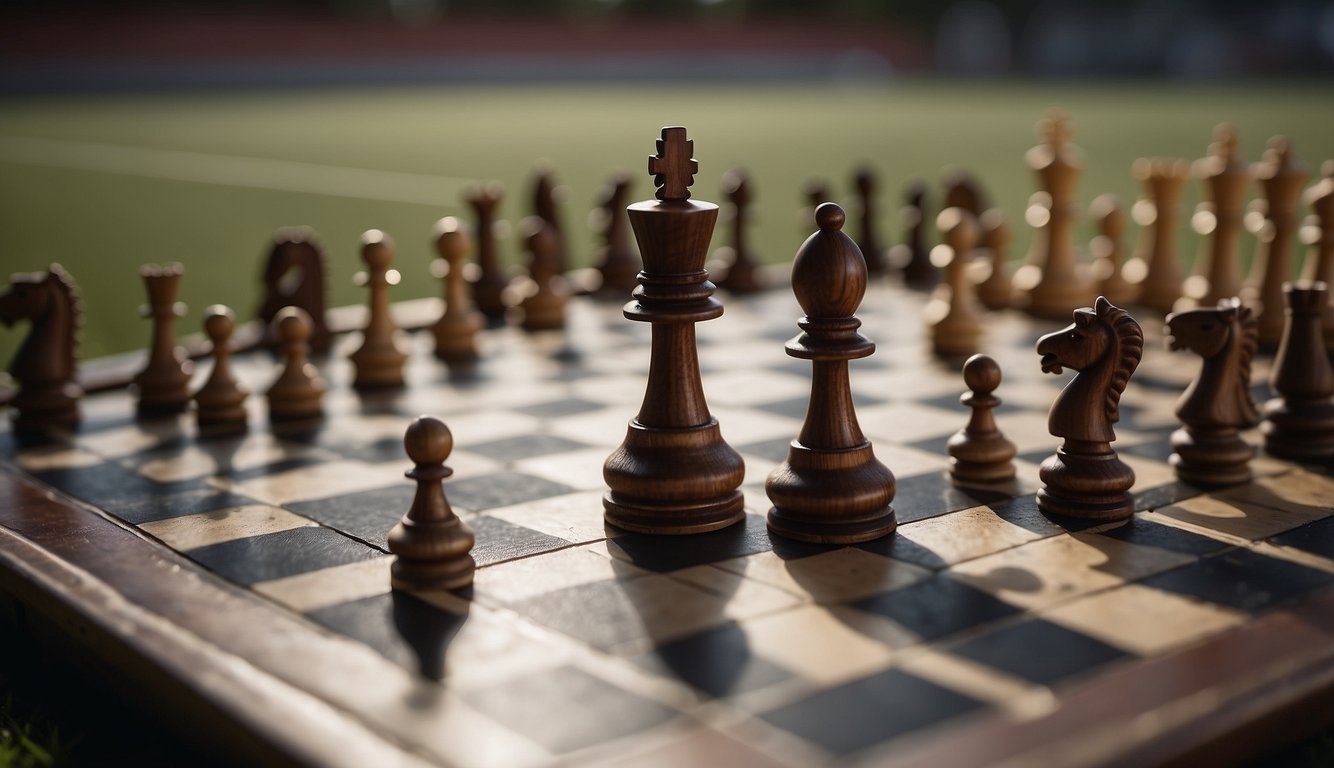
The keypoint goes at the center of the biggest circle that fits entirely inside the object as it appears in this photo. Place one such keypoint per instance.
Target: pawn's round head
(377, 249)
(428, 441)
(981, 373)
(829, 271)
(291, 325)
(219, 321)
(451, 237)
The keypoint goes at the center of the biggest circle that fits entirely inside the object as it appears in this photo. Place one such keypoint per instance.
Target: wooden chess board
(243, 584)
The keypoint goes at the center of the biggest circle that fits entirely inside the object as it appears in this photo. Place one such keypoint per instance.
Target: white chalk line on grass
(234, 171)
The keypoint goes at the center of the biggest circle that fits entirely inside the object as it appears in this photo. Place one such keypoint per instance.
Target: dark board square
(384, 450)
(1163, 495)
(774, 450)
(870, 711)
(937, 607)
(1038, 651)
(555, 409)
(1137, 530)
(280, 554)
(1316, 538)
(264, 470)
(671, 553)
(525, 447)
(796, 407)
(137, 499)
(1023, 511)
(409, 632)
(366, 515)
(1241, 579)
(501, 490)
(922, 496)
(566, 708)
(160, 506)
(499, 540)
(718, 661)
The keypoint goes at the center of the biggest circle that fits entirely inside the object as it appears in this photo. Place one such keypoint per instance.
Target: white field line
(235, 171)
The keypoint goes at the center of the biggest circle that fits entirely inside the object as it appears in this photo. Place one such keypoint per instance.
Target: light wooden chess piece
(296, 395)
(831, 489)
(1299, 420)
(220, 403)
(1208, 450)
(1219, 221)
(1318, 235)
(1086, 479)
(540, 296)
(163, 386)
(379, 361)
(1107, 250)
(1155, 268)
(432, 545)
(952, 317)
(979, 453)
(456, 331)
(994, 290)
(1274, 220)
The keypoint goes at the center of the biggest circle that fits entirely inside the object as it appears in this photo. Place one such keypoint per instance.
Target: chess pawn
(1155, 269)
(979, 453)
(1219, 222)
(1299, 421)
(1107, 249)
(431, 544)
(542, 295)
(1318, 235)
(488, 287)
(379, 361)
(546, 197)
(831, 489)
(1052, 281)
(952, 317)
(617, 261)
(912, 255)
(864, 182)
(994, 290)
(295, 396)
(1274, 221)
(220, 403)
(456, 331)
(740, 271)
(164, 383)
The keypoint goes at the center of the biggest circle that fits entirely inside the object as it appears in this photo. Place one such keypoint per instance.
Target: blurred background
(142, 132)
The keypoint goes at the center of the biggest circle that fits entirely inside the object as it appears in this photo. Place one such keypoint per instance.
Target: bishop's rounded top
(428, 441)
(829, 271)
(981, 373)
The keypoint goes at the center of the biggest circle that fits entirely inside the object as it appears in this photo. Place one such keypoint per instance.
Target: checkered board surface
(580, 643)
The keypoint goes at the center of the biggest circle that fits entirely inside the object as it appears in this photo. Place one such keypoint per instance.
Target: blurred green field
(104, 183)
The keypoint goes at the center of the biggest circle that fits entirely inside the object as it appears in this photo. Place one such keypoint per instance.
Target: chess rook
(979, 453)
(45, 366)
(489, 286)
(1156, 269)
(220, 402)
(163, 386)
(1274, 221)
(294, 276)
(431, 544)
(1208, 450)
(674, 474)
(379, 361)
(831, 489)
(1219, 221)
(1086, 479)
(456, 331)
(1299, 421)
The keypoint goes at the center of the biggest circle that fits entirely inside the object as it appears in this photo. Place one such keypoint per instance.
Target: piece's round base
(151, 409)
(1089, 484)
(981, 472)
(222, 427)
(645, 516)
(1210, 459)
(1101, 510)
(876, 525)
(1301, 434)
(452, 573)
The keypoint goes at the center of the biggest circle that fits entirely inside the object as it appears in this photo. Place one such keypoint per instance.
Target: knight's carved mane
(1129, 338)
(1247, 341)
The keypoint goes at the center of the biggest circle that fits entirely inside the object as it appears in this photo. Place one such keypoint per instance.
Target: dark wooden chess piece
(979, 453)
(831, 489)
(1274, 223)
(295, 396)
(547, 208)
(489, 286)
(543, 293)
(953, 318)
(1208, 450)
(617, 262)
(912, 255)
(1219, 221)
(740, 271)
(1299, 421)
(45, 367)
(379, 361)
(994, 290)
(963, 190)
(456, 331)
(814, 191)
(163, 385)
(1108, 249)
(1086, 479)
(432, 545)
(220, 403)
(864, 181)
(1155, 269)
(1051, 280)
(294, 276)
(1318, 235)
(674, 474)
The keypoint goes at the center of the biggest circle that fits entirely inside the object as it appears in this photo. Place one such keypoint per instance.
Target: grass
(29, 740)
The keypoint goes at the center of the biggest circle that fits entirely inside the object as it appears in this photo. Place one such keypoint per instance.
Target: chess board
(243, 584)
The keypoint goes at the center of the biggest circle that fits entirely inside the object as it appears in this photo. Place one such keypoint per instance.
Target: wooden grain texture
(431, 543)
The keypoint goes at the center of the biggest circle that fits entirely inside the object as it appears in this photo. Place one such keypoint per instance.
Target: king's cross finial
(673, 168)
